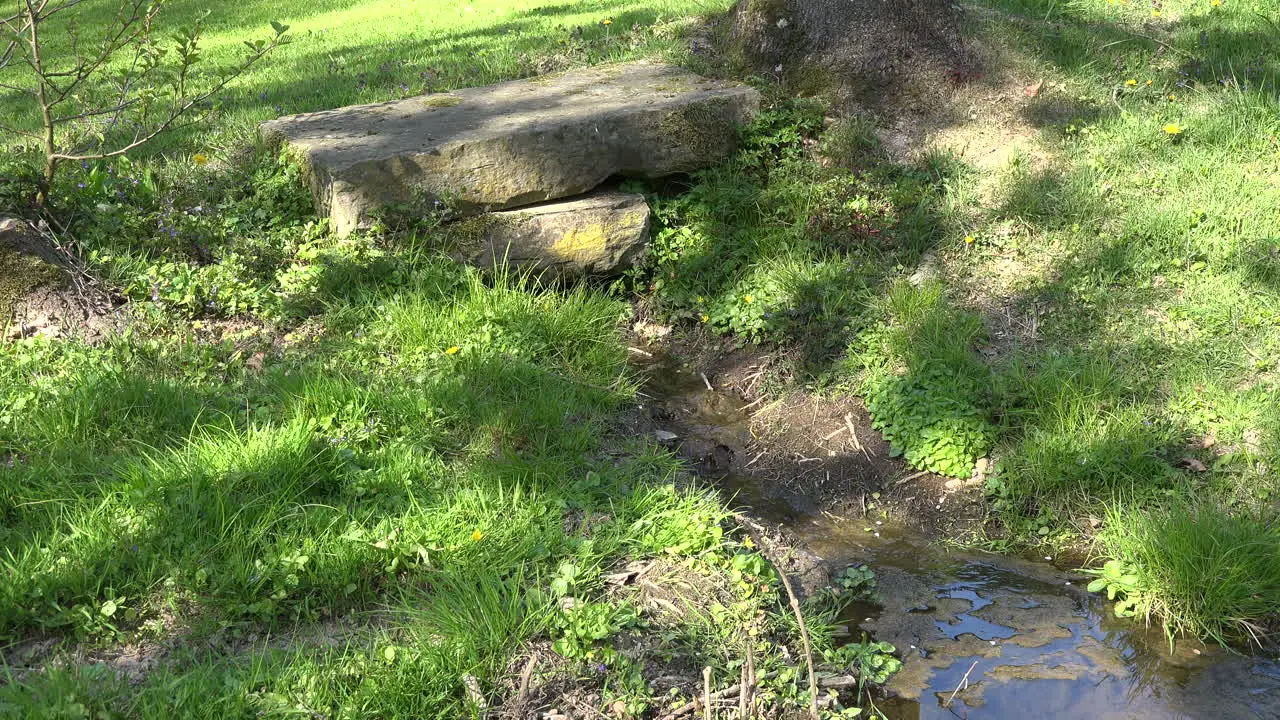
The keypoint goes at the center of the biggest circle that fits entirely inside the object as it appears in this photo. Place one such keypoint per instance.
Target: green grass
(1152, 375)
(1145, 262)
(348, 53)
(300, 430)
(422, 461)
(1171, 553)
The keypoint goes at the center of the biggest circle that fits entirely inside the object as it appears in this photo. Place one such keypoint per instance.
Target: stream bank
(981, 635)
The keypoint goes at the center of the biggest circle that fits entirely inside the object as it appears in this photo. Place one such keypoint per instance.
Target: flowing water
(986, 636)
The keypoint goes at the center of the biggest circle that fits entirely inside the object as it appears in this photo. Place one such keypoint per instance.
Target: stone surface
(516, 143)
(25, 264)
(37, 295)
(600, 233)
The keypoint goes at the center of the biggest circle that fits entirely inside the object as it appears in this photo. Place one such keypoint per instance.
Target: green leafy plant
(751, 573)
(857, 581)
(1118, 582)
(581, 627)
(871, 662)
(924, 388)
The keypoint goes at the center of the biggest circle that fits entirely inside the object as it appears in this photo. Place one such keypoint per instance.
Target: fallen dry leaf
(1033, 90)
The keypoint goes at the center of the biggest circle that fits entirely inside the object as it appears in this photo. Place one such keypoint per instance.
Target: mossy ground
(20, 273)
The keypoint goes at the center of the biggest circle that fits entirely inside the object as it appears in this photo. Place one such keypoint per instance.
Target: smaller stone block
(600, 234)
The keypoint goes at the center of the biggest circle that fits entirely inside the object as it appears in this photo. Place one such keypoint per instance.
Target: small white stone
(782, 24)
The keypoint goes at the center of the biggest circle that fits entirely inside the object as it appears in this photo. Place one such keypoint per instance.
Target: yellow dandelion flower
(607, 21)
(1173, 129)
(749, 298)
(1155, 13)
(453, 350)
(1216, 3)
(476, 535)
(200, 158)
(969, 240)
(706, 317)
(1131, 83)
(1148, 83)
(1172, 96)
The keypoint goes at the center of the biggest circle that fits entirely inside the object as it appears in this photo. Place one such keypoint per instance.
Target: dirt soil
(42, 291)
(785, 454)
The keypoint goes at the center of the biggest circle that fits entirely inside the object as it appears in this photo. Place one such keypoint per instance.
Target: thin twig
(693, 705)
(804, 636)
(706, 692)
(706, 381)
(753, 403)
(963, 681)
(524, 680)
(848, 421)
(911, 477)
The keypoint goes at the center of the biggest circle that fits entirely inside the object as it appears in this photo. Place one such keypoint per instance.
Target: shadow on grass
(311, 486)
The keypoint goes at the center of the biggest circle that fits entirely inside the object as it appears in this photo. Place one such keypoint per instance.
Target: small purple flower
(600, 668)
(81, 185)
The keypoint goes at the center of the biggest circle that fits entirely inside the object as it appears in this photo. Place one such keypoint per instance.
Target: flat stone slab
(516, 143)
(602, 233)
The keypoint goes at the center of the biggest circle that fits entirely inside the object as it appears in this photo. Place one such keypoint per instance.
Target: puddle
(982, 636)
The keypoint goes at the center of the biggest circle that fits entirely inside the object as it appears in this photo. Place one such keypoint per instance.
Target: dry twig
(964, 681)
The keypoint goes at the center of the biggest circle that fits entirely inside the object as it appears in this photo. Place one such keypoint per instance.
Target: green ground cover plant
(1133, 242)
(340, 477)
(297, 430)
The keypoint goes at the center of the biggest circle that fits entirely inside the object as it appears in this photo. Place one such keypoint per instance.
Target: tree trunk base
(872, 53)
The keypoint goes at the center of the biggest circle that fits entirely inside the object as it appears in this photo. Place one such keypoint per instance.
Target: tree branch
(176, 113)
(118, 107)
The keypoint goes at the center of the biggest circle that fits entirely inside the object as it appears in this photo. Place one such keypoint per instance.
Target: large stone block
(601, 233)
(516, 143)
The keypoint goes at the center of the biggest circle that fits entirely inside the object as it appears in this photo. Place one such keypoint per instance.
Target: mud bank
(980, 635)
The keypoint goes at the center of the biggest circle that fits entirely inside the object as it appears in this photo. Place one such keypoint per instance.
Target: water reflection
(1038, 644)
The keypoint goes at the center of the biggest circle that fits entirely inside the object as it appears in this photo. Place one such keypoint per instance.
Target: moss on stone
(20, 273)
(467, 236)
(441, 101)
(700, 128)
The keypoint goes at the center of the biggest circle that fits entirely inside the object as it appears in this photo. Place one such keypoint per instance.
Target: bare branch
(114, 109)
(110, 46)
(177, 112)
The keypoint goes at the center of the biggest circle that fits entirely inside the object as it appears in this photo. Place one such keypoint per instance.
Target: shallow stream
(987, 636)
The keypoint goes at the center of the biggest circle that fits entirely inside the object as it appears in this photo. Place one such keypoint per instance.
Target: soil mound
(874, 53)
(40, 294)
